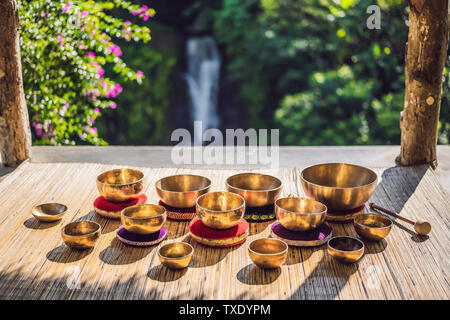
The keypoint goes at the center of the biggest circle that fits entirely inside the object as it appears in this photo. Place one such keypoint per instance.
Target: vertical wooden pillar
(15, 135)
(426, 53)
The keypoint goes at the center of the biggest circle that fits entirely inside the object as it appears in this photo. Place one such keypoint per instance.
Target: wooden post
(426, 52)
(15, 135)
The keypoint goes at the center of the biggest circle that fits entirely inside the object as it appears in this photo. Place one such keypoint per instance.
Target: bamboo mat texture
(35, 263)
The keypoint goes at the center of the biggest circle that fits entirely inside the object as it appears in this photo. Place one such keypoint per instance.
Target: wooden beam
(15, 136)
(426, 52)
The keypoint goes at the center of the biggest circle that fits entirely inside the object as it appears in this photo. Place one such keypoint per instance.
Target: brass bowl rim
(268, 254)
(229, 210)
(49, 215)
(176, 258)
(346, 251)
(143, 205)
(120, 184)
(347, 164)
(63, 230)
(176, 175)
(301, 213)
(372, 214)
(261, 174)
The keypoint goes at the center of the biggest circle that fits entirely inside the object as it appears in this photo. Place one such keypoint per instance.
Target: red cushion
(105, 205)
(178, 210)
(197, 228)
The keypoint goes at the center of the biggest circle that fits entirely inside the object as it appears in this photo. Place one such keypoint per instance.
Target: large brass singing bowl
(176, 255)
(81, 235)
(300, 214)
(372, 226)
(182, 191)
(143, 218)
(257, 189)
(339, 186)
(268, 252)
(120, 185)
(220, 210)
(345, 249)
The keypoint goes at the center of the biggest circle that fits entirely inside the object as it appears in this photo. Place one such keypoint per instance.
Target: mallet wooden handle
(374, 206)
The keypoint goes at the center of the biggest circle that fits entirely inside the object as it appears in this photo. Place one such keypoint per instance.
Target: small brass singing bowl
(257, 189)
(220, 210)
(176, 255)
(143, 218)
(182, 190)
(49, 212)
(268, 253)
(372, 226)
(81, 234)
(339, 186)
(300, 214)
(120, 185)
(345, 249)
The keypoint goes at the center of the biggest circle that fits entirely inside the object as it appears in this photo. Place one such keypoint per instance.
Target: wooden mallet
(422, 227)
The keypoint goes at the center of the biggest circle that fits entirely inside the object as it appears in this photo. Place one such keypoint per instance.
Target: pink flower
(144, 8)
(118, 88)
(115, 50)
(134, 13)
(103, 84)
(68, 4)
(96, 110)
(146, 17)
(127, 23)
(64, 10)
(66, 106)
(91, 55)
(43, 14)
(139, 73)
(60, 41)
(91, 121)
(113, 105)
(94, 130)
(85, 13)
(101, 72)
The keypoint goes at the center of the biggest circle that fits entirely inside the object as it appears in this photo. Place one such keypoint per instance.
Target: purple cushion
(320, 233)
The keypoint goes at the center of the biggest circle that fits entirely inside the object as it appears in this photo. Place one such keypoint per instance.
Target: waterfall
(202, 79)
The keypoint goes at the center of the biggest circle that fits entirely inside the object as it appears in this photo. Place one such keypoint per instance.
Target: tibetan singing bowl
(220, 210)
(300, 214)
(372, 226)
(339, 186)
(81, 234)
(345, 249)
(49, 212)
(120, 185)
(143, 218)
(176, 255)
(257, 189)
(268, 252)
(181, 191)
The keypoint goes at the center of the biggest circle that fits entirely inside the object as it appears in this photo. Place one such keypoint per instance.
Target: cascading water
(203, 80)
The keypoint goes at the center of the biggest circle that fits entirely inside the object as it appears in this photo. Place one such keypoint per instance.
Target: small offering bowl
(120, 185)
(257, 189)
(176, 255)
(49, 212)
(220, 210)
(300, 214)
(268, 252)
(372, 226)
(339, 186)
(345, 249)
(143, 218)
(182, 190)
(81, 234)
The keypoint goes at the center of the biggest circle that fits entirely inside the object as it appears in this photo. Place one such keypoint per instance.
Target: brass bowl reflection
(143, 218)
(220, 210)
(120, 185)
(81, 234)
(268, 252)
(339, 186)
(372, 226)
(300, 214)
(257, 189)
(176, 255)
(49, 212)
(182, 190)
(346, 249)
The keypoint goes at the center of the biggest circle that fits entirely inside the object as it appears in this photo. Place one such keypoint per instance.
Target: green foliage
(66, 47)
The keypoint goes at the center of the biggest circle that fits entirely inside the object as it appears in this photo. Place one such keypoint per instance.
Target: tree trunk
(15, 136)
(426, 52)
